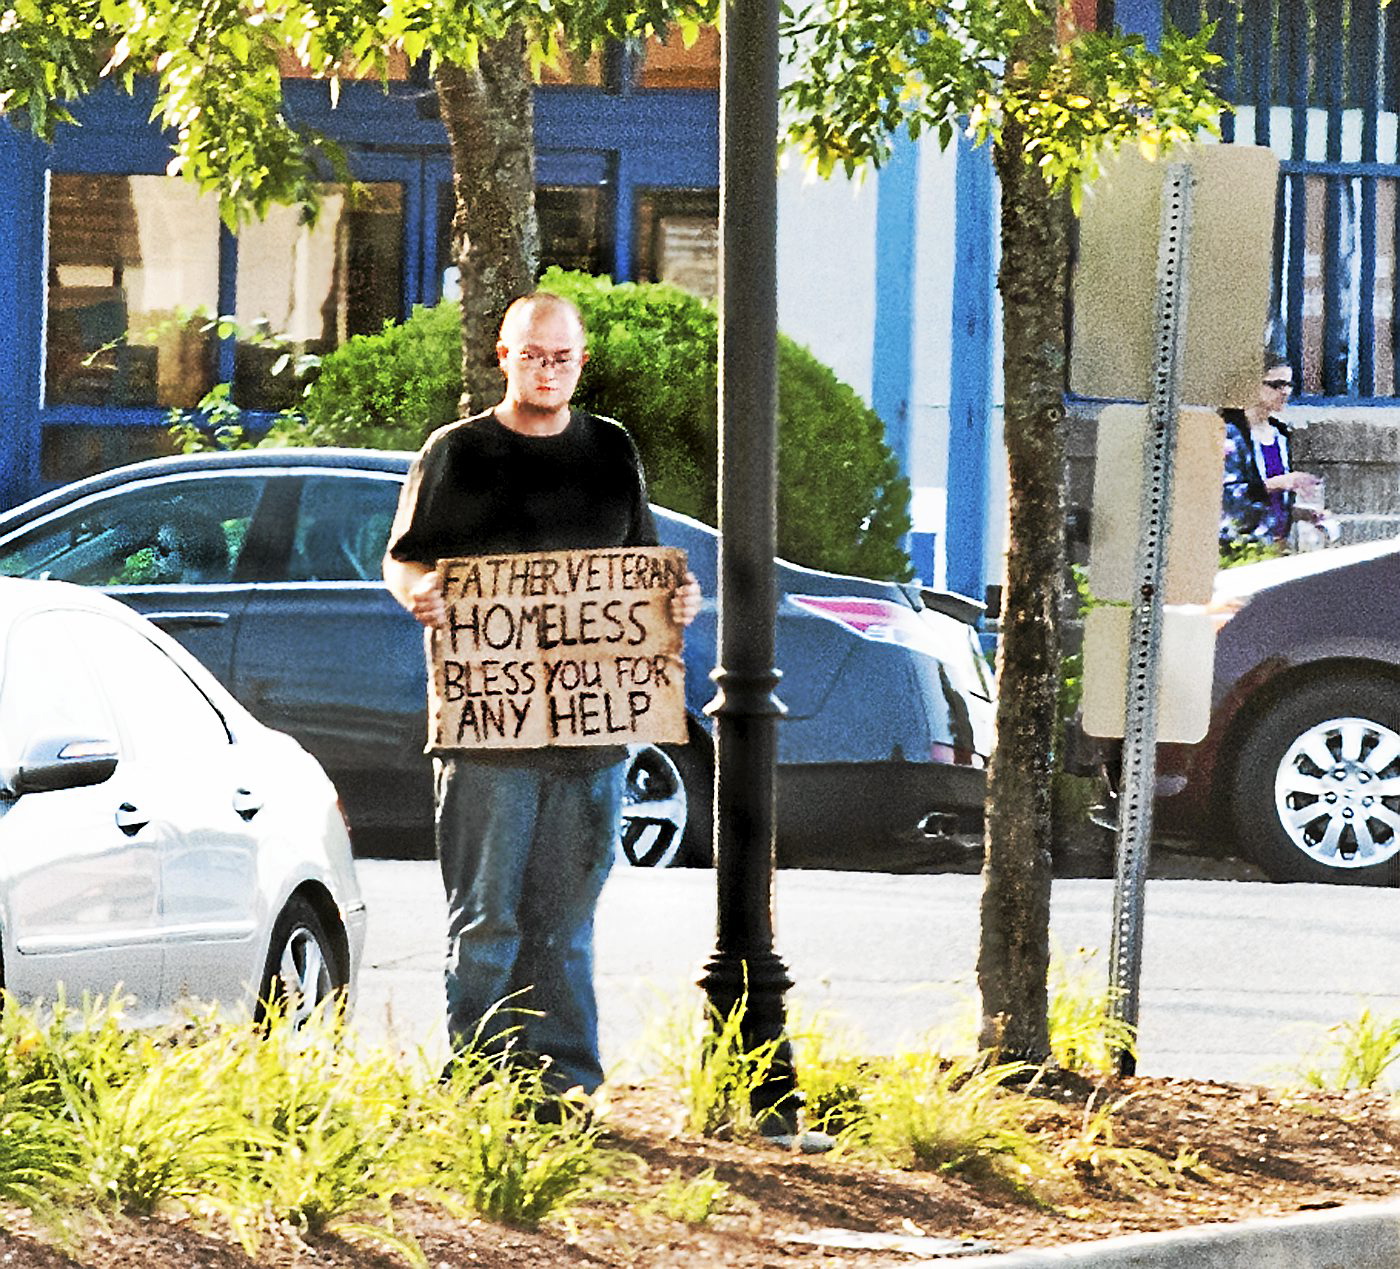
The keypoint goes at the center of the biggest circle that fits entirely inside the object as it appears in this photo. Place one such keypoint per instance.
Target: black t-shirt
(479, 488)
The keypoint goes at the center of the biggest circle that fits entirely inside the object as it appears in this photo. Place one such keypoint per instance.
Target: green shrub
(842, 504)
(386, 391)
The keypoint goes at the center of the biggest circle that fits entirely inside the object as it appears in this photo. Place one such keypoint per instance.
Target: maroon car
(1301, 765)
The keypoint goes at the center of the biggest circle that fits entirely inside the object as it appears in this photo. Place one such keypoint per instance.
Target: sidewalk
(1360, 1236)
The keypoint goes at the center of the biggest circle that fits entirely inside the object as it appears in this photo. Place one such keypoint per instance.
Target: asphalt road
(1238, 977)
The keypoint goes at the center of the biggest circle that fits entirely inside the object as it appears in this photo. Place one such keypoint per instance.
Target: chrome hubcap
(305, 974)
(1337, 793)
(654, 810)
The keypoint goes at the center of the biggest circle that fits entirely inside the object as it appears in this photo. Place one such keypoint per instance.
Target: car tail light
(875, 619)
(954, 755)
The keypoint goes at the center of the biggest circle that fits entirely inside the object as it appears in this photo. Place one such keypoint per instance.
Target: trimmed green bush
(842, 504)
(387, 391)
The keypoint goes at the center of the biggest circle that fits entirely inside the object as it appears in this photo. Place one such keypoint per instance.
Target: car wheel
(303, 967)
(666, 801)
(1316, 791)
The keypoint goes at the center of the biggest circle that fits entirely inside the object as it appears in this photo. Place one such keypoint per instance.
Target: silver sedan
(155, 839)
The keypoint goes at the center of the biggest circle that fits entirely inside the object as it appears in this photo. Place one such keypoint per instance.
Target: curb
(1359, 1236)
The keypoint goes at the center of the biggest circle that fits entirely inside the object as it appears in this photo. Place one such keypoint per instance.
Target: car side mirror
(52, 762)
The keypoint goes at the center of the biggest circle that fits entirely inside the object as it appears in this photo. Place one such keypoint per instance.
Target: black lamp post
(744, 967)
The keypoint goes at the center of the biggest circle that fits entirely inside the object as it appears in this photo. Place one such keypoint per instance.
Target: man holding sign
(516, 544)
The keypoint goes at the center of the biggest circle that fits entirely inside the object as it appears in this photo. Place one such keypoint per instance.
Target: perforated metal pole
(1139, 765)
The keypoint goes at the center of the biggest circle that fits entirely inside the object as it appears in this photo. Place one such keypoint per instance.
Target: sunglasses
(1279, 384)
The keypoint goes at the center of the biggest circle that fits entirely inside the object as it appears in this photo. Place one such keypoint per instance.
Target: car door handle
(246, 803)
(130, 820)
(188, 618)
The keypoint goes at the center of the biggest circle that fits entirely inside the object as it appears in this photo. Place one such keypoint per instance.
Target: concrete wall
(1357, 451)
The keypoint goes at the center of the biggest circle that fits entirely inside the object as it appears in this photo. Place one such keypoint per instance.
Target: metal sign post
(1139, 763)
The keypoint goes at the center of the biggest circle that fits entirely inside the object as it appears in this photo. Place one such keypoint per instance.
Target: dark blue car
(265, 564)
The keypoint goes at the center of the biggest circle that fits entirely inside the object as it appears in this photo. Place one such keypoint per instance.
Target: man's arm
(418, 588)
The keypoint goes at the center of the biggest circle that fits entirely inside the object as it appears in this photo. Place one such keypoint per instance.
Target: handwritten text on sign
(558, 648)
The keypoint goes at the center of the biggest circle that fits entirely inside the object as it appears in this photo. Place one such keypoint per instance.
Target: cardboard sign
(558, 648)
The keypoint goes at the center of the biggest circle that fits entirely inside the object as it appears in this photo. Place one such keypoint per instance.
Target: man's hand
(426, 602)
(685, 600)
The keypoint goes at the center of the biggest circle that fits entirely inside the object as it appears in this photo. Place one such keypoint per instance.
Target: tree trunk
(1014, 957)
(488, 111)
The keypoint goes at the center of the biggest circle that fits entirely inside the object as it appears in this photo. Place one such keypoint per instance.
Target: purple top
(1278, 515)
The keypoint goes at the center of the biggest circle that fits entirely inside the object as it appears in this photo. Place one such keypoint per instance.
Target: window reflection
(131, 258)
(306, 288)
(678, 239)
(576, 231)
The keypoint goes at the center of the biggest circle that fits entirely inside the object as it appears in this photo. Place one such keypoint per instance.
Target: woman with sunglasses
(1261, 488)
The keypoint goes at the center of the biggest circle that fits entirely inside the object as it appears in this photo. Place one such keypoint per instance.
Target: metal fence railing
(1319, 82)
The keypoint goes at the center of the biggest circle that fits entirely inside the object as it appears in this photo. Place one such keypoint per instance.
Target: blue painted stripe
(1258, 55)
(1224, 42)
(1141, 17)
(22, 224)
(624, 213)
(1293, 31)
(227, 348)
(1365, 71)
(1329, 34)
(970, 390)
(896, 228)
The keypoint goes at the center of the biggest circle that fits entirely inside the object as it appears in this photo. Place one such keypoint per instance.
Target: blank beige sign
(1186, 665)
(1229, 262)
(1119, 478)
(558, 648)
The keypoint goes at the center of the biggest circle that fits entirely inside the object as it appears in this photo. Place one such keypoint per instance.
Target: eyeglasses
(547, 361)
(1280, 385)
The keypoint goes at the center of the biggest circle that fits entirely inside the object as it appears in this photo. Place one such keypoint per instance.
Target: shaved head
(522, 314)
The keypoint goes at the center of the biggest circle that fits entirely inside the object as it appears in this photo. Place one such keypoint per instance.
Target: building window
(70, 451)
(678, 239)
(576, 231)
(133, 277)
(575, 227)
(669, 64)
(307, 288)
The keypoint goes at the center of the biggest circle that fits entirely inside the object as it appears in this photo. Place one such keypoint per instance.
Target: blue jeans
(524, 852)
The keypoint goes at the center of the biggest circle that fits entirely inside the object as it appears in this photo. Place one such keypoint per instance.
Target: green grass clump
(496, 1160)
(1084, 1034)
(952, 1115)
(717, 1073)
(693, 1200)
(1094, 1153)
(267, 1125)
(1355, 1054)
